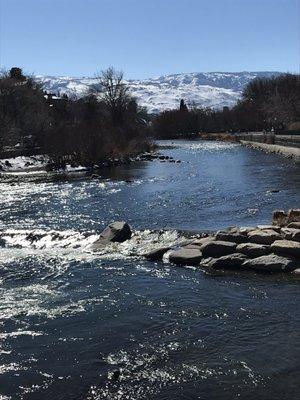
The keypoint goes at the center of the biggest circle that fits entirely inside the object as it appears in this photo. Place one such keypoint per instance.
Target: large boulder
(118, 231)
(279, 218)
(197, 243)
(294, 225)
(244, 230)
(291, 234)
(253, 250)
(231, 261)
(293, 216)
(286, 247)
(217, 248)
(185, 256)
(272, 227)
(270, 263)
(234, 237)
(156, 254)
(192, 246)
(267, 236)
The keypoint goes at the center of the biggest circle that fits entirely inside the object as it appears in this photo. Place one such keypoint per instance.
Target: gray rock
(253, 250)
(232, 229)
(296, 271)
(195, 246)
(217, 248)
(270, 263)
(197, 243)
(234, 237)
(231, 261)
(286, 247)
(244, 230)
(268, 227)
(295, 225)
(115, 232)
(185, 256)
(293, 215)
(267, 236)
(156, 254)
(206, 262)
(279, 218)
(291, 234)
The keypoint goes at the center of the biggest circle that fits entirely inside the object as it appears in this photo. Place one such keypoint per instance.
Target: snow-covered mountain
(206, 89)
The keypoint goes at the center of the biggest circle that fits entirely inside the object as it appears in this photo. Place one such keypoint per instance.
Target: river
(76, 325)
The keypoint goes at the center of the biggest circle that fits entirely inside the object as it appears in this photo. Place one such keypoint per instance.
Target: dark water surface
(77, 325)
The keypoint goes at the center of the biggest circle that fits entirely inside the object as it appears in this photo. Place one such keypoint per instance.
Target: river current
(75, 325)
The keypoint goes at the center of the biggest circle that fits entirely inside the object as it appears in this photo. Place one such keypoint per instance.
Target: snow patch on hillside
(207, 89)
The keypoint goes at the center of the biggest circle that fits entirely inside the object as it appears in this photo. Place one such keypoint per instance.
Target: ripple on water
(110, 325)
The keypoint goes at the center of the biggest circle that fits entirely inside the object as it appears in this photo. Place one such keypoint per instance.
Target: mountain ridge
(203, 89)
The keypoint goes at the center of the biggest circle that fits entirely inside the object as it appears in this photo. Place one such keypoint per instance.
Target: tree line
(106, 123)
(267, 104)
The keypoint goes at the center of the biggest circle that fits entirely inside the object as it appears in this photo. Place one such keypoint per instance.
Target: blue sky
(147, 38)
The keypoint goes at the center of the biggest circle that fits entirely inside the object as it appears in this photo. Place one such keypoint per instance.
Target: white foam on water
(140, 244)
(42, 239)
(75, 245)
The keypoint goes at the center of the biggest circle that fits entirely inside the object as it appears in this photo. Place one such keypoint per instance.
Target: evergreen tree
(17, 74)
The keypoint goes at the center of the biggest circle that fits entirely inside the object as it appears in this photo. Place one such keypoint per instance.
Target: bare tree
(113, 92)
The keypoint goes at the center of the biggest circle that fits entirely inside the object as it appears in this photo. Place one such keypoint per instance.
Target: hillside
(207, 89)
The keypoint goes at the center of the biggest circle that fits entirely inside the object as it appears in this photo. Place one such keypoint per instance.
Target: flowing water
(78, 325)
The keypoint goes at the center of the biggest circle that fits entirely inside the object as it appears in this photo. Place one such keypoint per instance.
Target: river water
(78, 325)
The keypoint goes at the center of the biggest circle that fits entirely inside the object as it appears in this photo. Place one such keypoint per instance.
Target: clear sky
(147, 38)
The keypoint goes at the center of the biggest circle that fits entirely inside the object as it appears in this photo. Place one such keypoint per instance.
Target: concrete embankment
(291, 152)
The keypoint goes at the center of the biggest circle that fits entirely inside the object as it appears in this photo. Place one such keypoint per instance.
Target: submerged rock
(217, 248)
(118, 231)
(185, 256)
(271, 263)
(287, 247)
(231, 261)
(267, 236)
(156, 254)
(114, 375)
(253, 250)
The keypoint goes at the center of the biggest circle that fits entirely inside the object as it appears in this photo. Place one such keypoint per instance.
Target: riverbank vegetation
(267, 104)
(105, 124)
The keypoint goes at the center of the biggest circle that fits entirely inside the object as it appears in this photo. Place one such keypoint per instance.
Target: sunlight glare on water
(79, 324)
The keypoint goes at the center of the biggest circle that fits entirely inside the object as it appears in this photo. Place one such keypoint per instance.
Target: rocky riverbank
(266, 248)
(41, 164)
(286, 151)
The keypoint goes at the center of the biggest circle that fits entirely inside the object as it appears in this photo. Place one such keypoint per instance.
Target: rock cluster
(290, 219)
(265, 248)
(159, 157)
